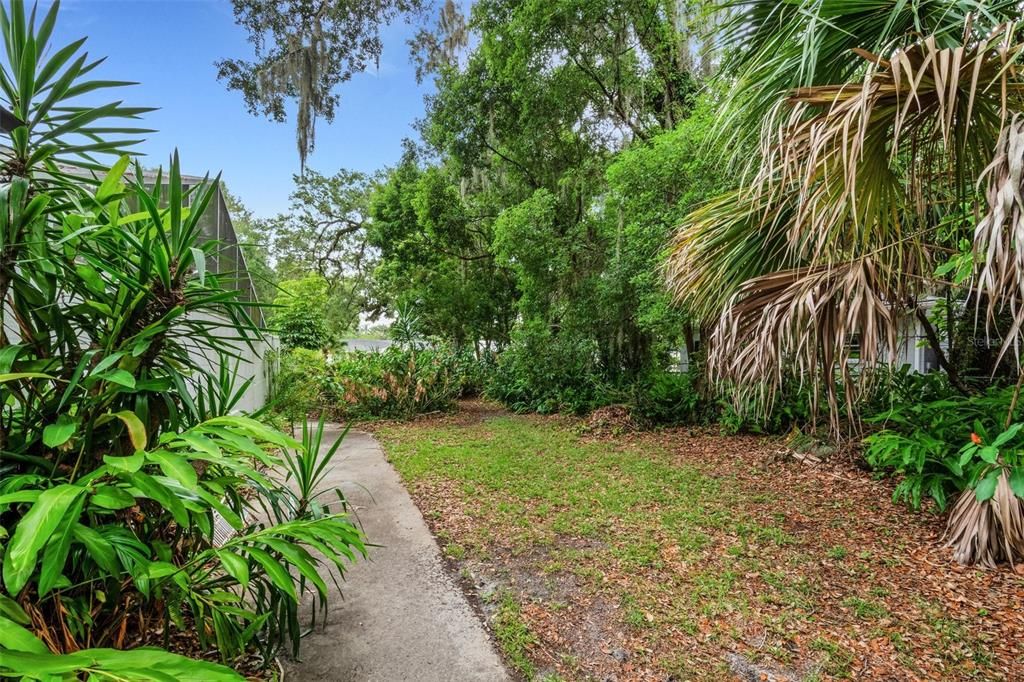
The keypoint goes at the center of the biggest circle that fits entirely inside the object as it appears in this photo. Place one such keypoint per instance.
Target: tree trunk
(940, 355)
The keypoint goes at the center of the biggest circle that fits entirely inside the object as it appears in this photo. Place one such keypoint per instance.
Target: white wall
(250, 363)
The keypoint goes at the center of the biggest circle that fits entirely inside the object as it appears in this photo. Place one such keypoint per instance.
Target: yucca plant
(118, 454)
(308, 466)
(40, 86)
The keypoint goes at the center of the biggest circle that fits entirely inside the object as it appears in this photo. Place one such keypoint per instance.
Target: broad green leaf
(107, 362)
(200, 443)
(154, 490)
(300, 559)
(112, 497)
(235, 566)
(60, 432)
(33, 532)
(987, 486)
(255, 429)
(1007, 435)
(131, 463)
(17, 638)
(55, 555)
(12, 610)
(176, 467)
(1017, 481)
(93, 281)
(101, 551)
(989, 453)
(144, 663)
(160, 569)
(14, 376)
(226, 512)
(8, 354)
(20, 496)
(119, 377)
(277, 573)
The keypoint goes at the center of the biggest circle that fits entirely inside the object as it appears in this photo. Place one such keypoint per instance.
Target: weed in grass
(712, 592)
(779, 653)
(836, 661)
(838, 553)
(634, 615)
(455, 551)
(513, 635)
(865, 609)
(774, 535)
(639, 554)
(792, 592)
(571, 661)
(956, 641)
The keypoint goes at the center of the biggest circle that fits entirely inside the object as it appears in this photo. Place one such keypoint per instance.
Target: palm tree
(890, 133)
(861, 188)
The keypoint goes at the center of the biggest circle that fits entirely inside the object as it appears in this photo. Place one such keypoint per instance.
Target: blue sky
(170, 46)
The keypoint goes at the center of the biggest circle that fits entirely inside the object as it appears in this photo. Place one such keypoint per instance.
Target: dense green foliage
(534, 219)
(395, 383)
(924, 434)
(121, 463)
(556, 157)
(299, 316)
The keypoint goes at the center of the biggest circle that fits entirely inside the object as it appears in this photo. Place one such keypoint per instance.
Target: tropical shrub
(299, 383)
(470, 371)
(131, 502)
(546, 372)
(395, 383)
(669, 398)
(392, 384)
(920, 442)
(987, 524)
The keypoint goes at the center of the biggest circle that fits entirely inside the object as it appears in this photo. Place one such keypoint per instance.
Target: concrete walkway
(402, 617)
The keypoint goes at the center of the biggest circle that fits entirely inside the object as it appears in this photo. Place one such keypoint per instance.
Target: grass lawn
(678, 555)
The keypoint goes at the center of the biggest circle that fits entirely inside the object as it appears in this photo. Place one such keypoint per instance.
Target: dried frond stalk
(987, 533)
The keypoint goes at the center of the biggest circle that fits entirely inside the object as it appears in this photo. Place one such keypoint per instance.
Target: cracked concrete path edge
(399, 615)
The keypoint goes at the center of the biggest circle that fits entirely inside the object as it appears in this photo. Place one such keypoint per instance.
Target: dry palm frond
(723, 246)
(989, 532)
(880, 153)
(836, 236)
(999, 236)
(806, 320)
